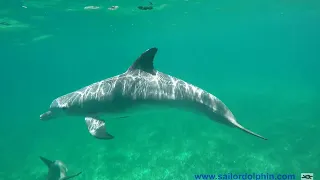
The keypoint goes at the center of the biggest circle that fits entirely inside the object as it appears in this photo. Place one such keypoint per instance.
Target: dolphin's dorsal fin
(145, 61)
(46, 161)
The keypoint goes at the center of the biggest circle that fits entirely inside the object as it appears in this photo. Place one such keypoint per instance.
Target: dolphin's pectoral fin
(46, 161)
(97, 128)
(145, 61)
(69, 177)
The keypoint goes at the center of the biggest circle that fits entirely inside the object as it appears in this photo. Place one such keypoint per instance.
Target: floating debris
(91, 7)
(150, 7)
(42, 37)
(145, 7)
(112, 8)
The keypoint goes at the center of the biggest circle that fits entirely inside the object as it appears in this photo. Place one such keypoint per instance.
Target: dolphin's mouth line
(46, 116)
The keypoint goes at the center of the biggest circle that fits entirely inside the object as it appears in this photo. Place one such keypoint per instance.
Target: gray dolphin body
(57, 170)
(140, 85)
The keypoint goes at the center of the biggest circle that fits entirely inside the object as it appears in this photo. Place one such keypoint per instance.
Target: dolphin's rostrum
(57, 170)
(140, 85)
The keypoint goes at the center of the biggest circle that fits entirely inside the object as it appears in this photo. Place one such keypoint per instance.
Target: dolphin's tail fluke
(46, 161)
(69, 177)
(248, 131)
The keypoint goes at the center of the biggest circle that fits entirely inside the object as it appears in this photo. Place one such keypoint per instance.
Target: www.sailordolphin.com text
(246, 176)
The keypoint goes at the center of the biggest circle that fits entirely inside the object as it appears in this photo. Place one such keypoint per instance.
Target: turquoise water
(260, 58)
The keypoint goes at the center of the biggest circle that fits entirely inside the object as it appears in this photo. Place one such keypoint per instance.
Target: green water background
(260, 58)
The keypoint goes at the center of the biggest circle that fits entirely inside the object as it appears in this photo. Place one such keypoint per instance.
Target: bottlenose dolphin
(140, 85)
(57, 170)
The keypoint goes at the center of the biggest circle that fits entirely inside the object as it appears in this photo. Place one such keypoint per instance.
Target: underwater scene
(159, 90)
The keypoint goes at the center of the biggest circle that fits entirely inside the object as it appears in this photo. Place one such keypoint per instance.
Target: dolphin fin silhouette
(46, 161)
